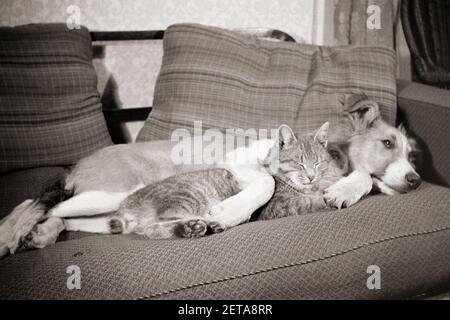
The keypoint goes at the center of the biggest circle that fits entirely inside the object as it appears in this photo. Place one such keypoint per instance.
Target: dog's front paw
(5, 240)
(4, 250)
(36, 239)
(341, 195)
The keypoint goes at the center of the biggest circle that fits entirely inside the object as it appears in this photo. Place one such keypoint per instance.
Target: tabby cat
(302, 169)
(179, 206)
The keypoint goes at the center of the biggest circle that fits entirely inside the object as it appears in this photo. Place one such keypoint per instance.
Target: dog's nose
(413, 180)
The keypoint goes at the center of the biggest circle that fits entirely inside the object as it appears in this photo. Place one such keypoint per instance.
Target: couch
(325, 255)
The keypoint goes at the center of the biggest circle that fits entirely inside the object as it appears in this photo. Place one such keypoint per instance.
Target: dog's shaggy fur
(378, 154)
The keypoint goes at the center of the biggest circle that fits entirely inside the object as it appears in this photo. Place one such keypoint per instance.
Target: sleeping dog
(375, 154)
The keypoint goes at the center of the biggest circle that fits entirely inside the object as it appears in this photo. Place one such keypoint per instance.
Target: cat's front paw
(341, 195)
(194, 228)
(215, 227)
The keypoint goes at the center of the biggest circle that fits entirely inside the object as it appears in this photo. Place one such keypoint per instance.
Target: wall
(293, 16)
(127, 72)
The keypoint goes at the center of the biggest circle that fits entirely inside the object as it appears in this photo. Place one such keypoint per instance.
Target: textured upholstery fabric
(229, 80)
(425, 110)
(50, 111)
(17, 186)
(321, 255)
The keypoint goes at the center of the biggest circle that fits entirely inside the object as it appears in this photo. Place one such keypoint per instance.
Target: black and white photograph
(224, 154)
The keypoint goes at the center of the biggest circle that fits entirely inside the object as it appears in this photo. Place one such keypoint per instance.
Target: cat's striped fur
(306, 167)
(177, 206)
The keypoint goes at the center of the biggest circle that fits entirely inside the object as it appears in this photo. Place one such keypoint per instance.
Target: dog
(376, 155)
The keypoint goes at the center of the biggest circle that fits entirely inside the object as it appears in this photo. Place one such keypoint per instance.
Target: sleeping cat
(305, 168)
(179, 206)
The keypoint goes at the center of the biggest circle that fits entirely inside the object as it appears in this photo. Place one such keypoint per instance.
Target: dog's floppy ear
(350, 99)
(402, 129)
(286, 137)
(363, 111)
(321, 135)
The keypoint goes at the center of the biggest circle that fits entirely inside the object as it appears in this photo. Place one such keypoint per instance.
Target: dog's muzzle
(413, 180)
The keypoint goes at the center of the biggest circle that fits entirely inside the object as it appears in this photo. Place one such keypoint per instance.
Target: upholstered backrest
(230, 80)
(50, 111)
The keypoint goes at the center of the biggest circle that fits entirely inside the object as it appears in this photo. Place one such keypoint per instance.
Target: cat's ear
(286, 137)
(321, 135)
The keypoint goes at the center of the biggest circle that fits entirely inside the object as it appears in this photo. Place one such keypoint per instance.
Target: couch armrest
(425, 111)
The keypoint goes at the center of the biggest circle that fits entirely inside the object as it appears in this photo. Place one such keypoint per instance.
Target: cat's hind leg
(161, 230)
(195, 228)
(182, 228)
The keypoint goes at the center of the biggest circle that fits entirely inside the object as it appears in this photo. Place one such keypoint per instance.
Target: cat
(303, 169)
(179, 206)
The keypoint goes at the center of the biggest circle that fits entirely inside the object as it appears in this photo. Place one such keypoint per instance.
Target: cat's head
(300, 161)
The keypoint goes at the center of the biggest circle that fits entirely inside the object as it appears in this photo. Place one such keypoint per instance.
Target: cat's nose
(310, 176)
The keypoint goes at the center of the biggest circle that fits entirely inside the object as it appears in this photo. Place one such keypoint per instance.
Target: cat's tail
(19, 223)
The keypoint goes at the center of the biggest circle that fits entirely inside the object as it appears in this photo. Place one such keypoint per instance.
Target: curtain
(365, 22)
(428, 33)
(372, 22)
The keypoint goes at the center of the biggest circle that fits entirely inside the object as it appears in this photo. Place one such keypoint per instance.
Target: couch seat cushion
(321, 255)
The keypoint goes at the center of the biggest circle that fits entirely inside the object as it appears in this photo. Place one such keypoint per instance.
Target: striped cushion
(230, 80)
(50, 111)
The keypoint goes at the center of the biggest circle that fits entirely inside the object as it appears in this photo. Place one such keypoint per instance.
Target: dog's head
(387, 152)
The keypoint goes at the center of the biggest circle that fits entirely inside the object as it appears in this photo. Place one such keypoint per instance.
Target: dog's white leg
(92, 224)
(349, 190)
(239, 208)
(384, 188)
(89, 203)
(256, 183)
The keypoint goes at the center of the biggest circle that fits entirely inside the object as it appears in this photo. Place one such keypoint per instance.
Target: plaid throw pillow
(50, 111)
(230, 80)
